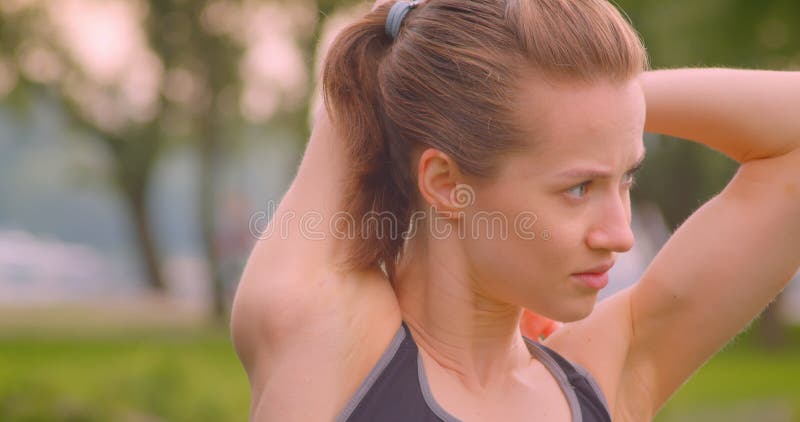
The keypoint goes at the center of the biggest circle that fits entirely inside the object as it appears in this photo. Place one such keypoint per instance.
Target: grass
(169, 376)
(188, 374)
(743, 382)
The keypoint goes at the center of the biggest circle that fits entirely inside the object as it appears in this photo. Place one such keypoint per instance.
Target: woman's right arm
(274, 290)
(295, 315)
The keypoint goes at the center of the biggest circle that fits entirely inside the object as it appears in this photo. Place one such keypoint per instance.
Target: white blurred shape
(273, 69)
(40, 270)
(122, 74)
(101, 35)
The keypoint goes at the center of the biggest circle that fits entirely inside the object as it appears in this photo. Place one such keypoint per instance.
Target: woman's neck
(464, 331)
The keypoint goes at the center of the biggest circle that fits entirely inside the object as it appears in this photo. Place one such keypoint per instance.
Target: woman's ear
(438, 178)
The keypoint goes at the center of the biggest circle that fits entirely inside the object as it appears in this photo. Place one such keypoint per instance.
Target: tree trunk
(209, 151)
(145, 241)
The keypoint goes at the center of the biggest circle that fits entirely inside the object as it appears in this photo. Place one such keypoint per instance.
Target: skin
(484, 280)
(532, 325)
(308, 333)
(462, 296)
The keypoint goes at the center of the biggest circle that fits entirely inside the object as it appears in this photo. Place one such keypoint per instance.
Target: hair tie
(398, 11)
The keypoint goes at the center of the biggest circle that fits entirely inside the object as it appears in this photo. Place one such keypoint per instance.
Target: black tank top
(396, 389)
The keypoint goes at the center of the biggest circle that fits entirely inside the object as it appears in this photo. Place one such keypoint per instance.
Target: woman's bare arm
(295, 308)
(725, 263)
(746, 114)
(738, 251)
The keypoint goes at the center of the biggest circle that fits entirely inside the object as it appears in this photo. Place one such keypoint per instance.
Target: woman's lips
(594, 280)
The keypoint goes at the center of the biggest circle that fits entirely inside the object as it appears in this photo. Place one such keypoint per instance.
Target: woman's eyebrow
(597, 173)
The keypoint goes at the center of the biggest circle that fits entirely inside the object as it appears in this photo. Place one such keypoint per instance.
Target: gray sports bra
(396, 389)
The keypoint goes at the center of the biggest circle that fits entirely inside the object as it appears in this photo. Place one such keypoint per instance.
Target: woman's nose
(613, 231)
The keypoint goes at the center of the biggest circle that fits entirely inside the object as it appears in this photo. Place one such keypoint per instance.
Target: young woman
(447, 117)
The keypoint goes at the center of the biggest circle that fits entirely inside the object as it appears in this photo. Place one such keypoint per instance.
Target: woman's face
(566, 201)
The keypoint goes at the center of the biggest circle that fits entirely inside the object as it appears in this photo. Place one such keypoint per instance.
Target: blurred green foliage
(680, 176)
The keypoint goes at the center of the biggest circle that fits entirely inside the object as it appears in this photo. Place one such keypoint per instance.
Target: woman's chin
(576, 312)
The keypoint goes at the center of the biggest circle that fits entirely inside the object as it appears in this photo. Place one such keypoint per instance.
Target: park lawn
(192, 375)
(169, 376)
(743, 382)
(740, 386)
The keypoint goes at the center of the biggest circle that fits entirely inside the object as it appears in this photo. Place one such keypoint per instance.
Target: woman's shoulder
(304, 334)
(598, 344)
(295, 307)
(293, 272)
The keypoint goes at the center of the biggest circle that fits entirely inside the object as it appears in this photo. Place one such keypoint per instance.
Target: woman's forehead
(587, 108)
(596, 125)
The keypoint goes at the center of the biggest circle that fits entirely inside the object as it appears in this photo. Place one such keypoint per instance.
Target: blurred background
(144, 143)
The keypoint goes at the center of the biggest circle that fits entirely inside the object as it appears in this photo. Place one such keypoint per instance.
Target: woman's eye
(630, 180)
(579, 188)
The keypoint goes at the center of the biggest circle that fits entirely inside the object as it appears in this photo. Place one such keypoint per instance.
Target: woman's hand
(535, 326)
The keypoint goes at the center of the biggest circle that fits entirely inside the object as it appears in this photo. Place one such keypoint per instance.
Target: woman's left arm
(733, 255)
(745, 114)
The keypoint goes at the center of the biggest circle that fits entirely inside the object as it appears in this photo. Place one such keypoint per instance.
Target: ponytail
(376, 192)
